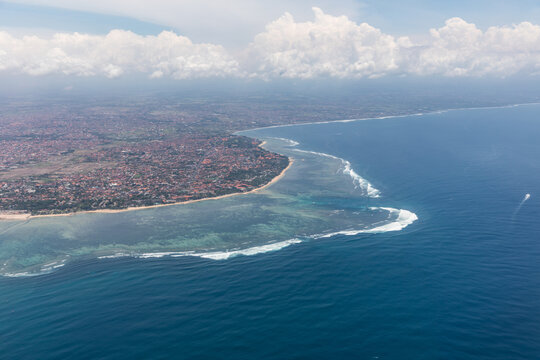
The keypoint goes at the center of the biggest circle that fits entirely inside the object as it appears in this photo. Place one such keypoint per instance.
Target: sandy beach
(16, 216)
(4, 216)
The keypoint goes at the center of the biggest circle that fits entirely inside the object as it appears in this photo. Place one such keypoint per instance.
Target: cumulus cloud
(231, 22)
(337, 47)
(328, 46)
(114, 54)
(461, 49)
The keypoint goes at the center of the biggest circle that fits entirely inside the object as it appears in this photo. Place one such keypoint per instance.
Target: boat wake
(525, 198)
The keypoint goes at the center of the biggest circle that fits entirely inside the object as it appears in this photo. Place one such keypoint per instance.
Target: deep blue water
(463, 282)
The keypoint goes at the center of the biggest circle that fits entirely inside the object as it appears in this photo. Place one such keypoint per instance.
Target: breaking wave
(404, 218)
(45, 269)
(346, 168)
(288, 141)
(398, 219)
(215, 255)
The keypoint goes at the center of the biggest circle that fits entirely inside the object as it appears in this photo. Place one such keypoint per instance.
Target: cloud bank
(117, 53)
(230, 23)
(327, 47)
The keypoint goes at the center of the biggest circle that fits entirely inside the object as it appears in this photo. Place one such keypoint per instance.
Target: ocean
(413, 237)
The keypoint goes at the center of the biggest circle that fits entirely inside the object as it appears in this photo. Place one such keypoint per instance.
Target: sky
(304, 39)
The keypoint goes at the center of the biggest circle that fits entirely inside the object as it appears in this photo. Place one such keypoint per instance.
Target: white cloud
(461, 49)
(114, 54)
(337, 47)
(232, 22)
(328, 46)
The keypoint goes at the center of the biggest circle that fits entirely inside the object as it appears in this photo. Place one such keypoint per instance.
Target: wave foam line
(45, 269)
(288, 141)
(404, 219)
(396, 116)
(346, 169)
(215, 255)
(359, 181)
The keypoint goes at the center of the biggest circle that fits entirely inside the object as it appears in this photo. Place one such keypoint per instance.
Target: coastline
(26, 217)
(382, 117)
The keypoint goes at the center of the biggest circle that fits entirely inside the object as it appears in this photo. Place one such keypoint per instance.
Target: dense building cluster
(64, 151)
(56, 165)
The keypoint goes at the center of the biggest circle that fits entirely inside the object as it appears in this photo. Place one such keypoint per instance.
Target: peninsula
(55, 163)
(67, 154)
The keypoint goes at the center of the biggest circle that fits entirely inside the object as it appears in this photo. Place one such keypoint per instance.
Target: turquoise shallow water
(463, 281)
(319, 195)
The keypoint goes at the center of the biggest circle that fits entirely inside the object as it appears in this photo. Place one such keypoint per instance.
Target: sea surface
(414, 237)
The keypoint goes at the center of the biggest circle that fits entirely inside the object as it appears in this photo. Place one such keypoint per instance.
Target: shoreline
(27, 217)
(383, 117)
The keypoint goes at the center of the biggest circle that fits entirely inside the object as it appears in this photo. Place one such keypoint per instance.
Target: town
(63, 153)
(52, 163)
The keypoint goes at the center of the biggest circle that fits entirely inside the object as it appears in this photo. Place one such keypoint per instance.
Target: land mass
(127, 176)
(61, 155)
(17, 215)
(61, 163)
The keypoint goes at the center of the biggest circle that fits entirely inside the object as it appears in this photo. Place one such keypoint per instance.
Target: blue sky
(414, 16)
(301, 39)
(233, 27)
(26, 17)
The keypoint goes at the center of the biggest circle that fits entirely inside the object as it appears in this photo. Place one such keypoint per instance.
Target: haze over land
(251, 179)
(130, 116)
(113, 105)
